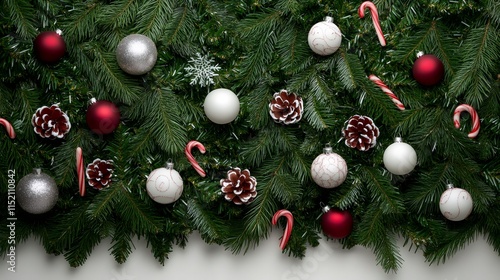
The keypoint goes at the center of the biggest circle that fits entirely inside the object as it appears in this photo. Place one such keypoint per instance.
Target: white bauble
(400, 158)
(324, 37)
(221, 106)
(136, 54)
(329, 169)
(164, 185)
(455, 204)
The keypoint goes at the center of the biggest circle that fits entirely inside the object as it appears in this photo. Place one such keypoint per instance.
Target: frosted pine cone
(99, 173)
(239, 187)
(361, 133)
(50, 122)
(286, 107)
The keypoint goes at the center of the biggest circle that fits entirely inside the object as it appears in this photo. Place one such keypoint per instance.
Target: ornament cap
(59, 32)
(92, 100)
(327, 149)
(325, 208)
(420, 53)
(169, 165)
(329, 19)
(398, 140)
(450, 186)
(37, 171)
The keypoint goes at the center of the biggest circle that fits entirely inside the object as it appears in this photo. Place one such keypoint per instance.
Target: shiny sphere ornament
(329, 170)
(336, 223)
(37, 192)
(136, 54)
(455, 204)
(221, 106)
(428, 70)
(324, 37)
(49, 46)
(400, 158)
(103, 117)
(164, 185)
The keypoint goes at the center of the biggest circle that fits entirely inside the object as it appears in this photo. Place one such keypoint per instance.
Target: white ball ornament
(329, 170)
(324, 37)
(165, 185)
(136, 54)
(221, 106)
(400, 158)
(455, 204)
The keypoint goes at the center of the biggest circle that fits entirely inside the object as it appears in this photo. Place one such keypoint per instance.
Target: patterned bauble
(136, 54)
(400, 158)
(99, 173)
(50, 122)
(239, 187)
(165, 185)
(428, 70)
(360, 133)
(37, 193)
(324, 37)
(221, 106)
(49, 46)
(455, 204)
(336, 223)
(103, 117)
(329, 170)
(286, 107)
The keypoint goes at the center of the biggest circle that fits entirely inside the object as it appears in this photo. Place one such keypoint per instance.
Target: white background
(198, 260)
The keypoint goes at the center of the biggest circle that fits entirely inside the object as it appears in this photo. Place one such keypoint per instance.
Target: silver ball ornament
(37, 192)
(136, 54)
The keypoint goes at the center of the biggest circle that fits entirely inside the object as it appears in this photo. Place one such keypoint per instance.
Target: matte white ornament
(221, 106)
(136, 54)
(329, 170)
(455, 204)
(324, 37)
(400, 158)
(165, 185)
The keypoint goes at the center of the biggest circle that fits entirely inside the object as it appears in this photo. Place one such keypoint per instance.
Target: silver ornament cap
(37, 192)
(136, 54)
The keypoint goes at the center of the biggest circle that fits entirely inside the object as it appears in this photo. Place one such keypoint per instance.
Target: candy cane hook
(190, 145)
(9, 128)
(387, 91)
(376, 23)
(80, 171)
(475, 119)
(288, 228)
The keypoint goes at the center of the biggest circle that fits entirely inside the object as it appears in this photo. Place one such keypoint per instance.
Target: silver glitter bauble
(136, 54)
(37, 192)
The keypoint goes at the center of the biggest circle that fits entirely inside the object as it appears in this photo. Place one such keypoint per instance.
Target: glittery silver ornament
(37, 192)
(136, 54)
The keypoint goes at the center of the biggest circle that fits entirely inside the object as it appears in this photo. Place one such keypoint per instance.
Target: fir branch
(318, 114)
(81, 21)
(285, 187)
(103, 203)
(152, 17)
(161, 246)
(381, 190)
(121, 243)
(82, 247)
(258, 105)
(210, 226)
(120, 13)
(21, 14)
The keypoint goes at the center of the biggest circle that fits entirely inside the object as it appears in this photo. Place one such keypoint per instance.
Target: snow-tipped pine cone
(360, 133)
(99, 173)
(50, 122)
(239, 187)
(286, 107)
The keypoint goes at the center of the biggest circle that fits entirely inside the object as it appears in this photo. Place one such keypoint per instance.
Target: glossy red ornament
(103, 117)
(49, 46)
(428, 70)
(336, 223)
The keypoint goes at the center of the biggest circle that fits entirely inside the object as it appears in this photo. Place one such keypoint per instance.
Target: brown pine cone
(361, 133)
(50, 122)
(239, 187)
(99, 173)
(286, 107)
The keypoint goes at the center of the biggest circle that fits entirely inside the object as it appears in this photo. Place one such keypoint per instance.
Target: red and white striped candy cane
(288, 228)
(8, 127)
(190, 145)
(80, 171)
(475, 119)
(376, 23)
(387, 91)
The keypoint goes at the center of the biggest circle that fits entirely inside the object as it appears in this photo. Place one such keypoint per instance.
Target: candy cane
(376, 23)
(475, 119)
(80, 171)
(8, 127)
(288, 228)
(387, 91)
(194, 163)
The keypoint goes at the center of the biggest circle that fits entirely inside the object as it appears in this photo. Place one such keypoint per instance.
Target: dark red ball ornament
(336, 223)
(49, 46)
(428, 70)
(103, 117)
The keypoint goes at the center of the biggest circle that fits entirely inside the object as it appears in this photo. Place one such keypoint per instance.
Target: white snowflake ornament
(329, 170)
(202, 70)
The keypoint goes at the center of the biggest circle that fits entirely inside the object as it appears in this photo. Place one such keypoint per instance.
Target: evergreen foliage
(261, 47)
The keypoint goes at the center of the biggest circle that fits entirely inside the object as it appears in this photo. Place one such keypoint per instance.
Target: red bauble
(336, 223)
(49, 46)
(103, 117)
(428, 70)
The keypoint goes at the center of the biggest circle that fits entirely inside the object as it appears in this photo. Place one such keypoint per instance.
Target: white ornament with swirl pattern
(324, 37)
(455, 204)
